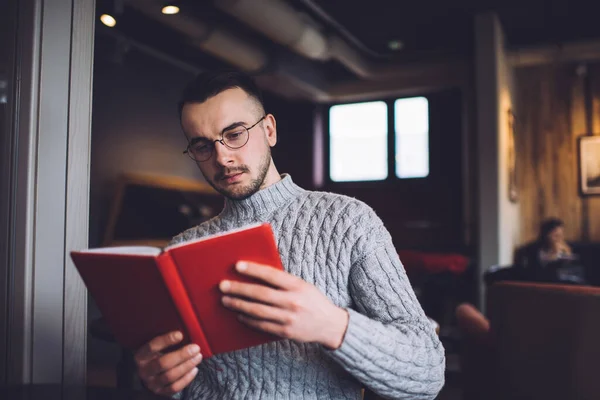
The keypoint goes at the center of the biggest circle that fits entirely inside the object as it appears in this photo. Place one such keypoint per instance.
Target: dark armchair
(540, 342)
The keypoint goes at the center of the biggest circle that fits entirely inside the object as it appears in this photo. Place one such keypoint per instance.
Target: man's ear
(270, 126)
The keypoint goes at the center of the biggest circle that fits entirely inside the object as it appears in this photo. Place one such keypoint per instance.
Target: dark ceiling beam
(333, 24)
(567, 52)
(148, 50)
(281, 72)
(218, 41)
(283, 24)
(301, 73)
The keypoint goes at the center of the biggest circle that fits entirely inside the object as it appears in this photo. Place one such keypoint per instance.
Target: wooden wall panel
(525, 124)
(594, 201)
(575, 219)
(551, 115)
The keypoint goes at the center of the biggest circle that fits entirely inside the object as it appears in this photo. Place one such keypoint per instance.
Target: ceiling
(425, 31)
(447, 26)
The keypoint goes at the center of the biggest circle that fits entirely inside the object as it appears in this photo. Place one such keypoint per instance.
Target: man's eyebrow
(234, 125)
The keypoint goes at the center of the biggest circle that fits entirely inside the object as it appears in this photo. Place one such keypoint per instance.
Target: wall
(509, 216)
(135, 126)
(293, 153)
(498, 218)
(552, 115)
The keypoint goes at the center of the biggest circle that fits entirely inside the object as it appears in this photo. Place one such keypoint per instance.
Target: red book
(144, 292)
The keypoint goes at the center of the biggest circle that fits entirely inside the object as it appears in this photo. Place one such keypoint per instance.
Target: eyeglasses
(201, 149)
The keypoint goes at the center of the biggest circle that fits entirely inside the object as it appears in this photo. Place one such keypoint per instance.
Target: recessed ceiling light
(395, 45)
(108, 20)
(170, 10)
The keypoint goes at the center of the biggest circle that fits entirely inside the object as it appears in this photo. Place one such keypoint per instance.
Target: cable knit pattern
(338, 244)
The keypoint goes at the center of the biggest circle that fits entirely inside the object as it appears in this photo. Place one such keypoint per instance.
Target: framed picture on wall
(589, 165)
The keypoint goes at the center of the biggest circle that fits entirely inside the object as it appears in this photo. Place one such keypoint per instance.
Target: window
(411, 122)
(358, 140)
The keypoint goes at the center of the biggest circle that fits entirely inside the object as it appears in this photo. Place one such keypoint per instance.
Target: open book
(144, 292)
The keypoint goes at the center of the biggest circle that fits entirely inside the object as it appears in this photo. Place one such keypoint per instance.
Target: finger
(272, 276)
(170, 360)
(256, 310)
(150, 349)
(267, 326)
(252, 291)
(179, 385)
(174, 374)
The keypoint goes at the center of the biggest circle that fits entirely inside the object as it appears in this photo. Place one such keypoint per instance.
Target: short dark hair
(209, 84)
(548, 225)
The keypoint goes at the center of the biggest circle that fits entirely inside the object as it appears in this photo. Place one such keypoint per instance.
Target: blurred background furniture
(589, 257)
(149, 209)
(541, 341)
(440, 280)
(558, 273)
(476, 353)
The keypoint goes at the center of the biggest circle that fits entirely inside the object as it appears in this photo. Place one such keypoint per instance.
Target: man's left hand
(289, 307)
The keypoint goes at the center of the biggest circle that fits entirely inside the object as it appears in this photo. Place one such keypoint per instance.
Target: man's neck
(277, 194)
(271, 178)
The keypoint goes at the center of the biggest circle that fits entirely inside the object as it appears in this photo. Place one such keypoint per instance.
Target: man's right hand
(167, 373)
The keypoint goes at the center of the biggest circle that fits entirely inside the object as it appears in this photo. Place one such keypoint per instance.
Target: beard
(239, 192)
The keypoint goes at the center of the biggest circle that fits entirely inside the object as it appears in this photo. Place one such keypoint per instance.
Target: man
(344, 308)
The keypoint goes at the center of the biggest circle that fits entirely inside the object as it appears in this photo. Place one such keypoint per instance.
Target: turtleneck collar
(262, 202)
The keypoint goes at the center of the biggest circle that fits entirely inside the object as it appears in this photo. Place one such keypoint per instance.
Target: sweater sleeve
(389, 345)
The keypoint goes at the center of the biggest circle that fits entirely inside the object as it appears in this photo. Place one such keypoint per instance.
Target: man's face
(235, 173)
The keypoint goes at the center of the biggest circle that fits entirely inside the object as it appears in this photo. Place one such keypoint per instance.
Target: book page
(215, 235)
(131, 250)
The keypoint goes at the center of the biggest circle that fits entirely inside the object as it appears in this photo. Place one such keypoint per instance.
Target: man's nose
(223, 154)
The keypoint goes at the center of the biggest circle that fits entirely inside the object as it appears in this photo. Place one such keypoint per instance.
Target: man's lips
(231, 176)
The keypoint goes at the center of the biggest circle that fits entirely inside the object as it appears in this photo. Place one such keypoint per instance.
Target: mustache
(231, 171)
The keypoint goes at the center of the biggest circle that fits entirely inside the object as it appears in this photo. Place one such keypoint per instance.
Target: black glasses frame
(222, 141)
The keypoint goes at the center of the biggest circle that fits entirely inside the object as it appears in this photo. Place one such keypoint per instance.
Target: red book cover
(144, 292)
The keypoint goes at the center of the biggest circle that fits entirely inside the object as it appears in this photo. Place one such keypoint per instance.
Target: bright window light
(358, 142)
(411, 118)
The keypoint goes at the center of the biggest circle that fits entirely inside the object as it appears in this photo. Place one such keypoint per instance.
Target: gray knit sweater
(339, 245)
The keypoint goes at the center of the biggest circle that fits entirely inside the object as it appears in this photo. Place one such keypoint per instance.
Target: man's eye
(199, 147)
(233, 135)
